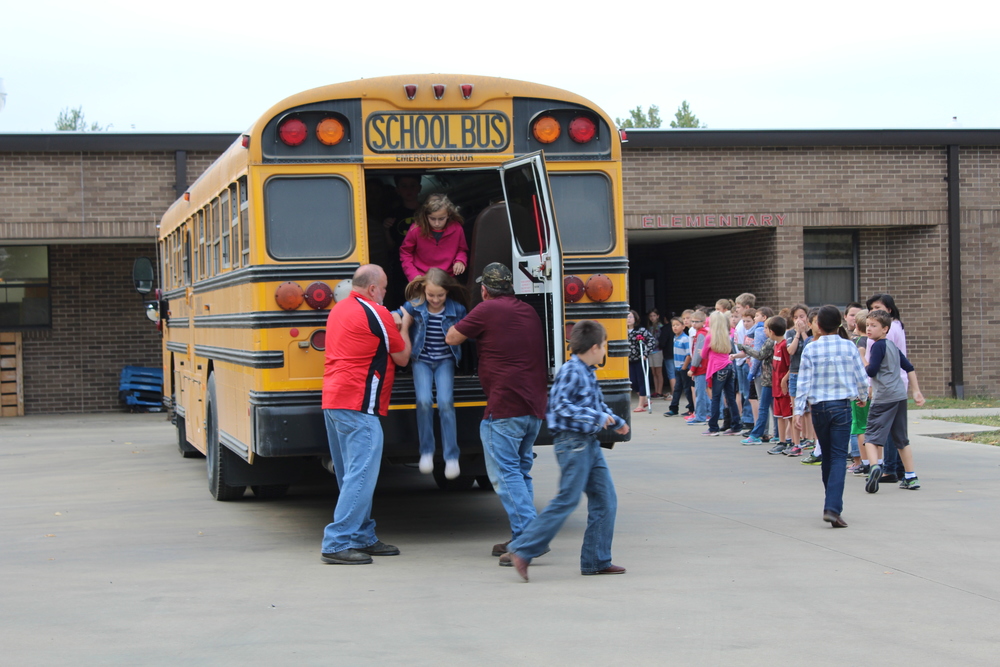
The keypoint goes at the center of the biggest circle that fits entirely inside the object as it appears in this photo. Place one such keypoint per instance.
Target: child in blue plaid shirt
(575, 415)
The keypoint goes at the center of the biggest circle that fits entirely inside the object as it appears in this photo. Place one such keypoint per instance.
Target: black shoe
(890, 477)
(834, 519)
(347, 557)
(874, 475)
(670, 413)
(380, 548)
(863, 471)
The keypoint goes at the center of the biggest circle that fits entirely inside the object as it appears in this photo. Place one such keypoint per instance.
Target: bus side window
(222, 209)
(234, 224)
(244, 222)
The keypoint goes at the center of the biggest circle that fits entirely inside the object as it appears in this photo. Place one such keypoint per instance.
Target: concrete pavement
(113, 552)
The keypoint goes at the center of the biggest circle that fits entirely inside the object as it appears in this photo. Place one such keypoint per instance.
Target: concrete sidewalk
(113, 552)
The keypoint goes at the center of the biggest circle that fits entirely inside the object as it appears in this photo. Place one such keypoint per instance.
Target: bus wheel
(269, 491)
(219, 458)
(484, 482)
(186, 448)
(460, 483)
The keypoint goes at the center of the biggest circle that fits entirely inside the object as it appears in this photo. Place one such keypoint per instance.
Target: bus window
(213, 215)
(234, 223)
(308, 218)
(223, 210)
(244, 223)
(187, 257)
(585, 215)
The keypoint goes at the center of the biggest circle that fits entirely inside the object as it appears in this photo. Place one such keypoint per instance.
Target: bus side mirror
(142, 275)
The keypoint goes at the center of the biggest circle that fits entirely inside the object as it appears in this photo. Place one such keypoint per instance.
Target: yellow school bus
(259, 248)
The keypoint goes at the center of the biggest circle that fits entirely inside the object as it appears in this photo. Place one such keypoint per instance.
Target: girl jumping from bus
(436, 302)
(436, 239)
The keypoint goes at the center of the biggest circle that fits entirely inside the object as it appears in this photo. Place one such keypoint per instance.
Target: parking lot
(112, 551)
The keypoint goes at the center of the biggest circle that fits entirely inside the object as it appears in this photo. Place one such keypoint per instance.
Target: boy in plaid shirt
(576, 414)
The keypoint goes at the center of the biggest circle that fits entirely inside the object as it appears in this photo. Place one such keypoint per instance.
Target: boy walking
(576, 414)
(887, 415)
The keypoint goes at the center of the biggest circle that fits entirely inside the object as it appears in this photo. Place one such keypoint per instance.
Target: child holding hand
(435, 240)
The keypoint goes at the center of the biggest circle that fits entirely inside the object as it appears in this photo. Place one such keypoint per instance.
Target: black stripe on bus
(177, 347)
(178, 293)
(251, 358)
(618, 348)
(264, 320)
(234, 444)
(181, 322)
(269, 273)
(597, 311)
(573, 265)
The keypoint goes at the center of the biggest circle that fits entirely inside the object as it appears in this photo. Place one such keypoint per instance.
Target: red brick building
(791, 216)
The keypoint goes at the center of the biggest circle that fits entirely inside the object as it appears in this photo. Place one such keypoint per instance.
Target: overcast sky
(206, 66)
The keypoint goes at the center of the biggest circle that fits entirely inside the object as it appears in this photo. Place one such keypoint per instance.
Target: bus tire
(269, 491)
(186, 449)
(219, 458)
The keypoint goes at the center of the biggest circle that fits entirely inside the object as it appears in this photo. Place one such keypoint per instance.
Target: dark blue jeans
(832, 421)
(723, 383)
(763, 411)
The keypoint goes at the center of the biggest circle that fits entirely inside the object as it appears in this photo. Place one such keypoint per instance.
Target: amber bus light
(330, 131)
(546, 129)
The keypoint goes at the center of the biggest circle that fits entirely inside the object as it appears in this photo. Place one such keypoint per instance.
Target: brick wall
(98, 326)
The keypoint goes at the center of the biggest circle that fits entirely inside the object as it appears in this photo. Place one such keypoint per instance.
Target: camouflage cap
(496, 276)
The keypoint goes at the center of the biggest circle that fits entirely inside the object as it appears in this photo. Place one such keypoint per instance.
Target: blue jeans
(743, 378)
(832, 421)
(356, 448)
(723, 383)
(700, 398)
(763, 411)
(442, 375)
(507, 449)
(582, 469)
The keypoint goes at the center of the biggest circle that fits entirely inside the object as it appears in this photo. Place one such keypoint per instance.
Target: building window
(24, 288)
(831, 267)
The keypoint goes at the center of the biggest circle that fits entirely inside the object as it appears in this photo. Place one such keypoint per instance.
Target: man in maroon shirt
(363, 347)
(512, 370)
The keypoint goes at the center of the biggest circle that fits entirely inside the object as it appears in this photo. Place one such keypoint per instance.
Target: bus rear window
(583, 210)
(308, 217)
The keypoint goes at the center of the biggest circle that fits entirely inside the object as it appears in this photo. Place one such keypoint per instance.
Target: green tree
(684, 117)
(640, 119)
(72, 120)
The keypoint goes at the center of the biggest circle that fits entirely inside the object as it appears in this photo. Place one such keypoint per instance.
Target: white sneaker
(427, 463)
(451, 470)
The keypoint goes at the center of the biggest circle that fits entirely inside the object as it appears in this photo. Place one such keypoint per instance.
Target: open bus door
(535, 248)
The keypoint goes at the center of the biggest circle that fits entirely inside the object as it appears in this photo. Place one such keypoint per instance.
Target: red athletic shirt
(780, 365)
(358, 374)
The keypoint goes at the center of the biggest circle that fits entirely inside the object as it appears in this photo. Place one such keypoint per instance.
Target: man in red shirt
(363, 347)
(512, 370)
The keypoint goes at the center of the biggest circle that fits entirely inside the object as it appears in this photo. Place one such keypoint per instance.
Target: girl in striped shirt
(436, 302)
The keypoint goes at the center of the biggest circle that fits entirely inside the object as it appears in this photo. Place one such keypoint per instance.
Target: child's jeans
(440, 374)
(723, 384)
(682, 387)
(700, 398)
(743, 378)
(763, 412)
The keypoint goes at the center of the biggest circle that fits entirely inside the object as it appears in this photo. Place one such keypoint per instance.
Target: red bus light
(292, 132)
(573, 289)
(318, 295)
(546, 129)
(318, 339)
(582, 129)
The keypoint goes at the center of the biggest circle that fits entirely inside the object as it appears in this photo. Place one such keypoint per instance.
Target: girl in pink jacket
(435, 240)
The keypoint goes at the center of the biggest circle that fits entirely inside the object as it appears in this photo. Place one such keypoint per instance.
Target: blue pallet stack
(141, 389)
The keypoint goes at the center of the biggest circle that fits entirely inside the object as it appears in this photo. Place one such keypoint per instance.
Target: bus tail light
(466, 90)
(330, 131)
(573, 289)
(599, 287)
(292, 132)
(546, 129)
(288, 296)
(319, 295)
(582, 129)
(318, 339)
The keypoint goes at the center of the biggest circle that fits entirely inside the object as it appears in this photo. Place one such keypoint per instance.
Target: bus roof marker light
(411, 90)
(546, 129)
(330, 131)
(582, 129)
(438, 90)
(466, 90)
(245, 142)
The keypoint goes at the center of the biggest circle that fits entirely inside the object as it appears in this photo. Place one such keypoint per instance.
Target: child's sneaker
(871, 486)
(746, 432)
(912, 484)
(669, 413)
(854, 468)
(751, 441)
(427, 463)
(863, 470)
(808, 444)
(777, 449)
(812, 460)
(693, 422)
(734, 431)
(711, 433)
(796, 450)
